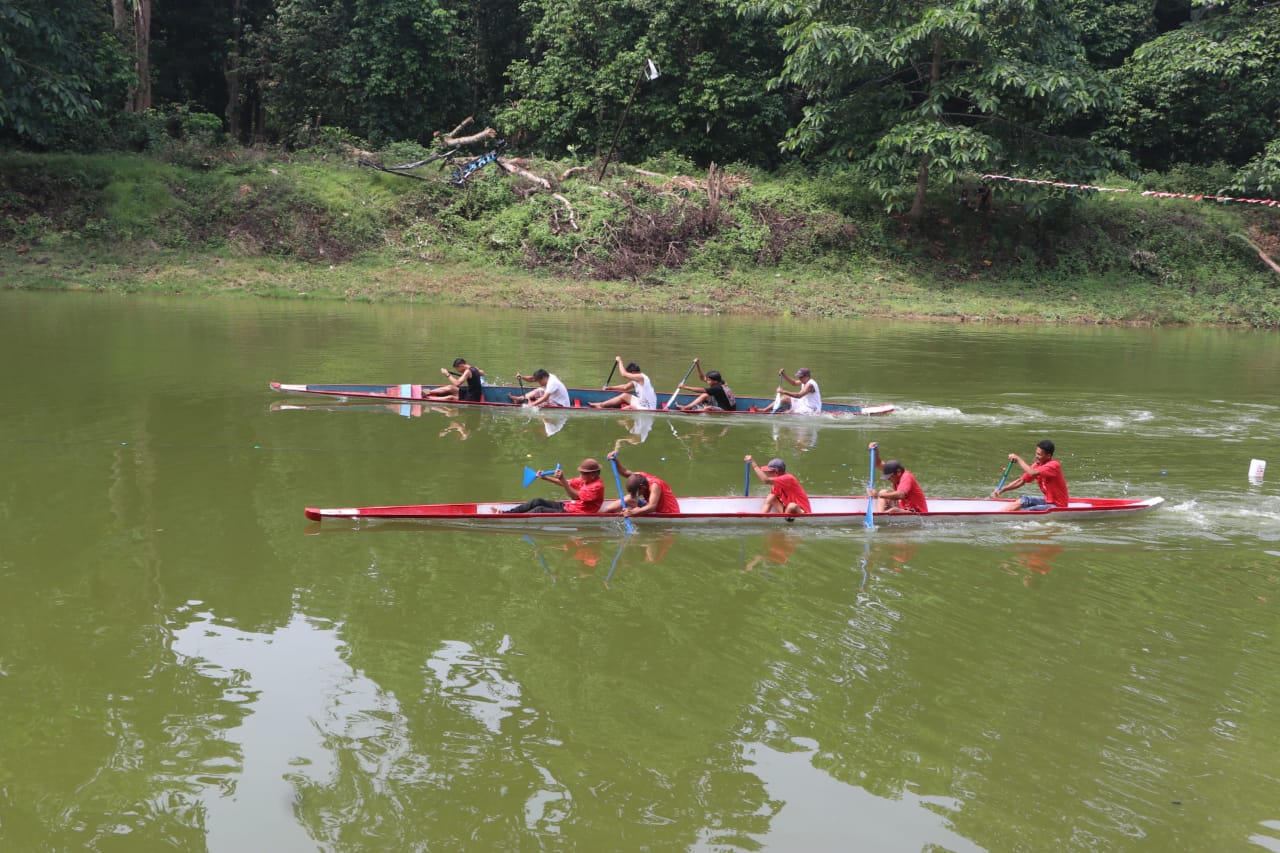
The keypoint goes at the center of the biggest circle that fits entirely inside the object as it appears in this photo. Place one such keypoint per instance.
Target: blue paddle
(622, 498)
(614, 564)
(871, 482)
(530, 475)
(746, 480)
(676, 393)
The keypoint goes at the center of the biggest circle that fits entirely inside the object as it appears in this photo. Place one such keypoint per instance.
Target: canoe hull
(827, 510)
(496, 396)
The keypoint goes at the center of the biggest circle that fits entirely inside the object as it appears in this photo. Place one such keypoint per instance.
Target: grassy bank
(321, 227)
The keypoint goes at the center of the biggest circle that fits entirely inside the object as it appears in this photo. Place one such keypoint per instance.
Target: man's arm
(563, 482)
(622, 469)
(760, 472)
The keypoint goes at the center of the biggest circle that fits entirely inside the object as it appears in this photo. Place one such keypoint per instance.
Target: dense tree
(202, 48)
(383, 69)
(586, 58)
(1111, 29)
(1206, 92)
(923, 88)
(53, 55)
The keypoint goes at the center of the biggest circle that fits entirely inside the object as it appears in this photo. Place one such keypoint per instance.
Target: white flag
(650, 70)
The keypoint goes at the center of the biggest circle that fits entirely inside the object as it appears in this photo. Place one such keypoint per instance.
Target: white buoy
(1257, 468)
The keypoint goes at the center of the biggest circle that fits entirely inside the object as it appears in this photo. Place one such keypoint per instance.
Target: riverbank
(323, 228)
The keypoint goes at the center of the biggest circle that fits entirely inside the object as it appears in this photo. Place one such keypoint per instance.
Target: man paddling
(714, 393)
(637, 391)
(905, 494)
(787, 495)
(806, 401)
(1047, 474)
(465, 383)
(646, 494)
(550, 390)
(586, 493)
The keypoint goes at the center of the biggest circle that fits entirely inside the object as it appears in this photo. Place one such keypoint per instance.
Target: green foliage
(1261, 175)
(52, 56)
(396, 153)
(1204, 93)
(586, 63)
(1170, 259)
(930, 90)
(383, 69)
(1198, 179)
(1111, 29)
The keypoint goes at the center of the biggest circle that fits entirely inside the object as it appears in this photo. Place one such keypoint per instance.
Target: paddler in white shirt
(637, 391)
(806, 401)
(551, 391)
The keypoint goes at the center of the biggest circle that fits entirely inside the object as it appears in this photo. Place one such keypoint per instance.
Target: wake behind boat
(828, 510)
(498, 396)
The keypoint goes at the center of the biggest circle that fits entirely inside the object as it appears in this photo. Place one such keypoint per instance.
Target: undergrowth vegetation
(822, 233)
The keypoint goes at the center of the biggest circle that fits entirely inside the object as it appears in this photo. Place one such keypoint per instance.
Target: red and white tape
(1266, 202)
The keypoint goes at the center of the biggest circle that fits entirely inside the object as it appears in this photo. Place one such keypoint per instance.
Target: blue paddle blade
(529, 476)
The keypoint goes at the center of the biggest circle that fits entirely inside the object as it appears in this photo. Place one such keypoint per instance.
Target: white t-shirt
(811, 403)
(556, 391)
(644, 390)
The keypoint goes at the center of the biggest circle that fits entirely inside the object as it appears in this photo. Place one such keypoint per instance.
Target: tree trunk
(231, 73)
(141, 100)
(922, 178)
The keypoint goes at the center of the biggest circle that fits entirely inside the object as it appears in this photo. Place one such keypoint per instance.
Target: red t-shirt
(667, 502)
(788, 490)
(590, 496)
(912, 499)
(1051, 481)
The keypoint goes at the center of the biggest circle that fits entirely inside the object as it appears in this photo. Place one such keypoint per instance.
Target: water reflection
(1033, 562)
(798, 436)
(779, 544)
(181, 668)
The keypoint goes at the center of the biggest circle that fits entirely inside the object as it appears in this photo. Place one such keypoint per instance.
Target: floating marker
(1257, 468)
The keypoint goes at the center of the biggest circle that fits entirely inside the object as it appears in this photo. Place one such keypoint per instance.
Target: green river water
(187, 663)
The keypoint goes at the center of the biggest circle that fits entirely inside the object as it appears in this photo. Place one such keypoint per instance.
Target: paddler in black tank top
(465, 383)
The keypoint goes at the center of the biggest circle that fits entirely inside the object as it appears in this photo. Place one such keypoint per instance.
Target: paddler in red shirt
(787, 495)
(905, 494)
(1047, 474)
(586, 493)
(646, 494)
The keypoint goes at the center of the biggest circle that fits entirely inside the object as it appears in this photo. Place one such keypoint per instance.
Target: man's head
(541, 376)
(1044, 450)
(459, 362)
(714, 376)
(893, 470)
(589, 468)
(777, 466)
(638, 485)
(802, 373)
(632, 367)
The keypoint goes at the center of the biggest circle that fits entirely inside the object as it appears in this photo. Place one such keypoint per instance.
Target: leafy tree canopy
(939, 88)
(1206, 92)
(587, 57)
(384, 69)
(52, 54)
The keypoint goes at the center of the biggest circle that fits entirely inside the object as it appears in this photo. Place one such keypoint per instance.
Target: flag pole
(650, 71)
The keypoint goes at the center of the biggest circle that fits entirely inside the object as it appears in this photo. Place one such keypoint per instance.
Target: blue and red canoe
(498, 396)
